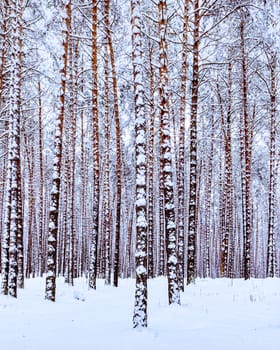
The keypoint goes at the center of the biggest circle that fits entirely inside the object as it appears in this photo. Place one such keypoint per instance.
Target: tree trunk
(140, 304)
(181, 156)
(246, 155)
(118, 145)
(192, 225)
(106, 185)
(50, 291)
(166, 161)
(96, 157)
(271, 248)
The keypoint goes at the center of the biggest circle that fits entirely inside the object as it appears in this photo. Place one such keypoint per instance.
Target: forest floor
(214, 315)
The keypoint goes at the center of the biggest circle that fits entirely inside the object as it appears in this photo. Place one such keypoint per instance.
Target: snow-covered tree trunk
(31, 239)
(6, 234)
(166, 159)
(72, 135)
(208, 195)
(161, 241)
(86, 235)
(192, 225)
(140, 305)
(118, 148)
(41, 259)
(5, 237)
(229, 180)
(181, 156)
(13, 219)
(19, 239)
(3, 49)
(106, 184)
(271, 244)
(96, 156)
(151, 174)
(50, 291)
(227, 190)
(247, 145)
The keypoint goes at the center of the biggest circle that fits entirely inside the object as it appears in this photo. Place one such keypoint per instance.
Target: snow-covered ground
(214, 315)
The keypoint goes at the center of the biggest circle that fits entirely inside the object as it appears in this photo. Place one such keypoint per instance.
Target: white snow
(214, 315)
(141, 221)
(141, 270)
(141, 159)
(141, 202)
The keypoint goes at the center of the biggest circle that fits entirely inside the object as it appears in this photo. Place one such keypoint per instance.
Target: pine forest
(139, 140)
